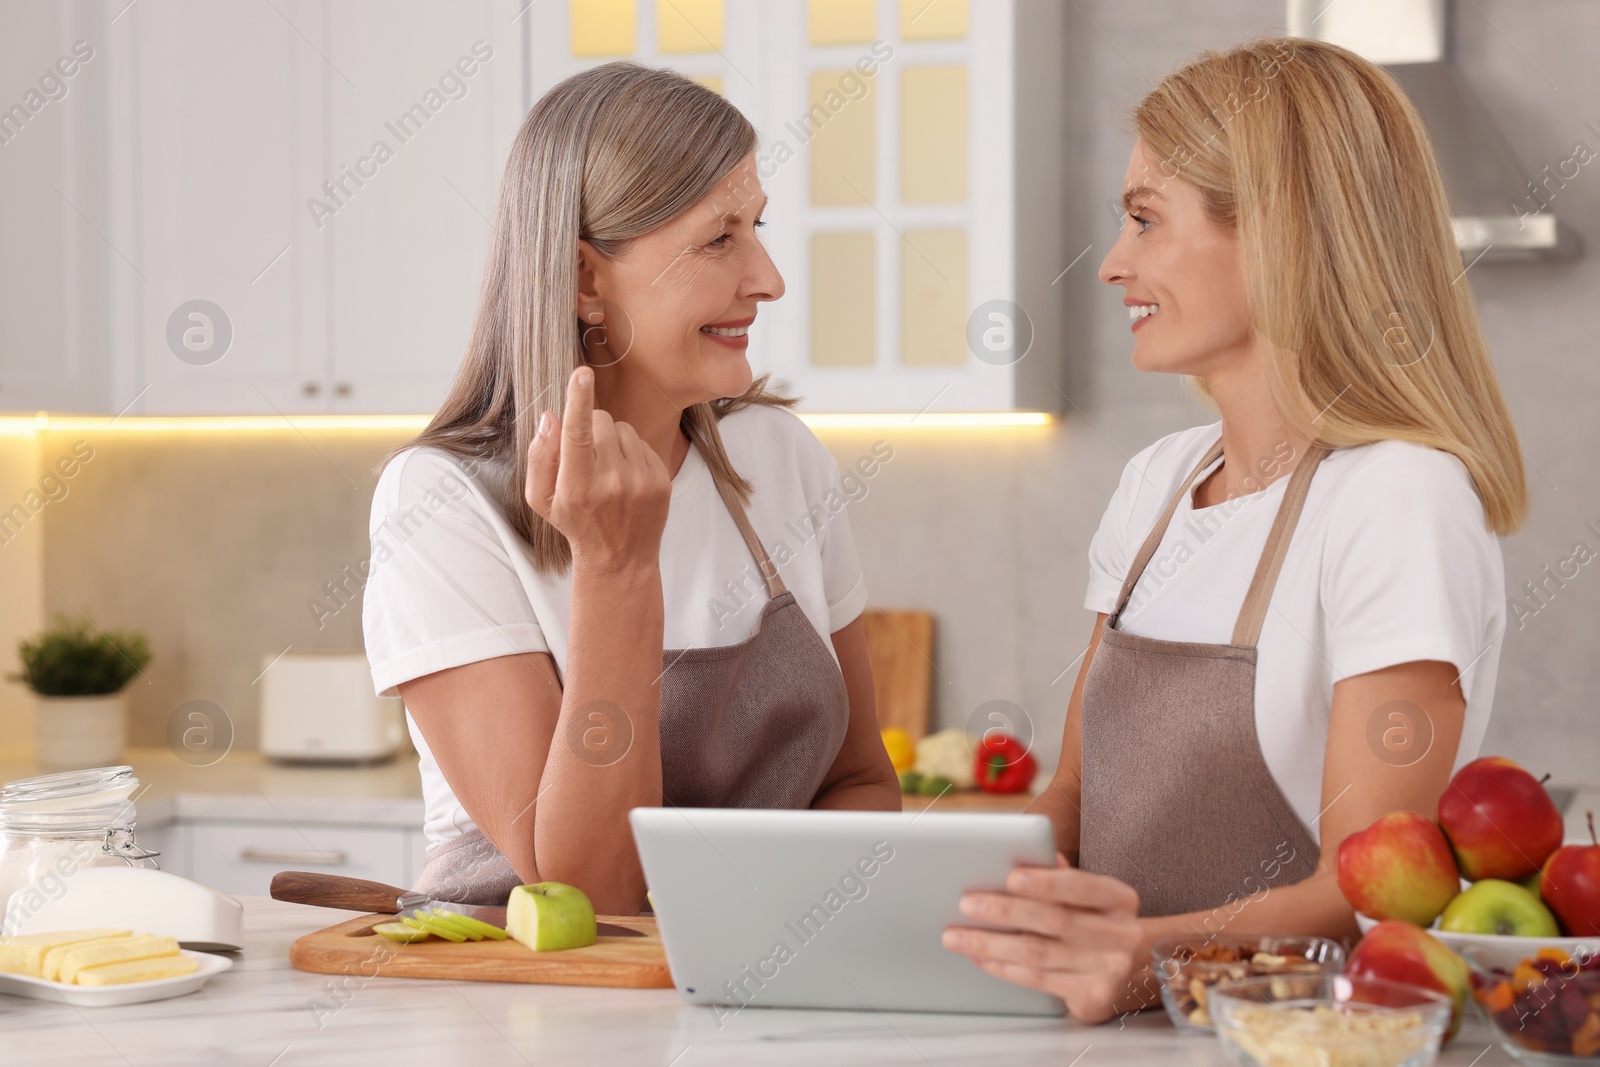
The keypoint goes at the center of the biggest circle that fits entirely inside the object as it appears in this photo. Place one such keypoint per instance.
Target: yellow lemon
(902, 749)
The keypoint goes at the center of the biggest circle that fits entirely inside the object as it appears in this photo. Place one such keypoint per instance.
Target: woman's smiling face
(1174, 260)
(661, 299)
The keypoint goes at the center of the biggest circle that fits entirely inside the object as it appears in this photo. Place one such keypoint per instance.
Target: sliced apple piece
(438, 929)
(476, 929)
(488, 930)
(400, 932)
(452, 921)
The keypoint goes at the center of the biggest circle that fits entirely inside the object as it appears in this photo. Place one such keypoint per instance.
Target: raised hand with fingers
(597, 482)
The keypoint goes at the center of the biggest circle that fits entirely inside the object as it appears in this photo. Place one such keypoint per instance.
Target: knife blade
(358, 894)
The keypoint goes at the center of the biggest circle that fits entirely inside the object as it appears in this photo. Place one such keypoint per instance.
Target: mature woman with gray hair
(587, 584)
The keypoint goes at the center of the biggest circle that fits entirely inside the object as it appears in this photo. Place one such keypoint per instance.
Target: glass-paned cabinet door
(890, 151)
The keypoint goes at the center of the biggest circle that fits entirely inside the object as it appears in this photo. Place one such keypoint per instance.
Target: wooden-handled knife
(358, 894)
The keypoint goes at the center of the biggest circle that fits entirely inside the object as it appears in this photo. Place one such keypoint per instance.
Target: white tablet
(831, 909)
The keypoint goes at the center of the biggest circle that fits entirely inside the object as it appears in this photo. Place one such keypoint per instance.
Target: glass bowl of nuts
(1189, 966)
(1328, 1020)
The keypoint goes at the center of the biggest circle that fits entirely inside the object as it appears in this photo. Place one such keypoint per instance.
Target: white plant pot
(74, 732)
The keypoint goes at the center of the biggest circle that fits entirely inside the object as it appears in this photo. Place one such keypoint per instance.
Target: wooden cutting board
(622, 962)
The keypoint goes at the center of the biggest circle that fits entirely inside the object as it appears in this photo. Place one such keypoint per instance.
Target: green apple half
(550, 916)
(1493, 906)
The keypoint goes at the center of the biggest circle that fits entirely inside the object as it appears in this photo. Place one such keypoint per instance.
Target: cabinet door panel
(417, 152)
(225, 119)
(53, 210)
(242, 857)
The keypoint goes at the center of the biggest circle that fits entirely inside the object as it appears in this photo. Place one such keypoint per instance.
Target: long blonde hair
(607, 156)
(1323, 165)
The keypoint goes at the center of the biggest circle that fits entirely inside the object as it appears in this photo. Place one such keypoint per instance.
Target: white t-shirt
(451, 582)
(1392, 561)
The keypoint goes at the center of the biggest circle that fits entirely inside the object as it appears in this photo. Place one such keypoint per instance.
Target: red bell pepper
(1002, 764)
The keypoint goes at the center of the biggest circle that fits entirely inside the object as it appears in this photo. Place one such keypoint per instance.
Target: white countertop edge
(397, 812)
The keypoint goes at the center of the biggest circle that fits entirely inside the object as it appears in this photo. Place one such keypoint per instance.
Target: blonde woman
(588, 584)
(1300, 607)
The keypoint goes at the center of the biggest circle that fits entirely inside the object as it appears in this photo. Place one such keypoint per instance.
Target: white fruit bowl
(1500, 950)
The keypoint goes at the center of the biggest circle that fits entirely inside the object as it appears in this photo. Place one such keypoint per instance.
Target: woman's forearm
(605, 757)
(1059, 800)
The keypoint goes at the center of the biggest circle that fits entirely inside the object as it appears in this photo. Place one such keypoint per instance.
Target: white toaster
(321, 707)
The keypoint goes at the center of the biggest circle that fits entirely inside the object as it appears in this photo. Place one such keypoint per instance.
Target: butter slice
(50, 970)
(25, 953)
(147, 970)
(85, 957)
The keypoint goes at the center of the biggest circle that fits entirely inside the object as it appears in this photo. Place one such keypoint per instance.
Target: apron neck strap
(730, 497)
(1254, 611)
(1247, 630)
(1148, 550)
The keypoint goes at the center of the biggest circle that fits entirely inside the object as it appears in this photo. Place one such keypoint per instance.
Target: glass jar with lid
(56, 824)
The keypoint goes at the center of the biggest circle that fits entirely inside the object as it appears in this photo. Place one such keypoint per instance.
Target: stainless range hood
(1501, 211)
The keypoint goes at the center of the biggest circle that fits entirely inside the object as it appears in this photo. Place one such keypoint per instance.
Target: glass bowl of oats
(1188, 966)
(1329, 1020)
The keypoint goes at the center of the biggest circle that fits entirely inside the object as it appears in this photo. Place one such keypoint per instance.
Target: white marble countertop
(263, 1013)
(245, 785)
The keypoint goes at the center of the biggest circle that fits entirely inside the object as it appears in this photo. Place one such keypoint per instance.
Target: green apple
(550, 916)
(1493, 906)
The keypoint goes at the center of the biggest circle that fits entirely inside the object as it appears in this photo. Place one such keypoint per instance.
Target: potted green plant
(79, 672)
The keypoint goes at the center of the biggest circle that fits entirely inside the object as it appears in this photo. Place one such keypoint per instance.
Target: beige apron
(1178, 801)
(751, 725)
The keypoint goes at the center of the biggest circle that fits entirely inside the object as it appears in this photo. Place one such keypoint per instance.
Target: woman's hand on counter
(1080, 936)
(593, 479)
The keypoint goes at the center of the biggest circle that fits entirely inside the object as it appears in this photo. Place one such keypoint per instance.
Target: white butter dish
(105, 996)
(141, 899)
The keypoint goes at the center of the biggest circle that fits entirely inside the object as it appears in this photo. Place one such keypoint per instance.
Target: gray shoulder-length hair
(607, 156)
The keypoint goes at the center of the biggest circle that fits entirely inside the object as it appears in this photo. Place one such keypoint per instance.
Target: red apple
(1402, 952)
(1400, 867)
(1570, 886)
(1500, 821)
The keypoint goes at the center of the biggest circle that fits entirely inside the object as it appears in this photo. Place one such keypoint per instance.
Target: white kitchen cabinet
(218, 128)
(321, 173)
(439, 102)
(289, 208)
(241, 857)
(53, 209)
